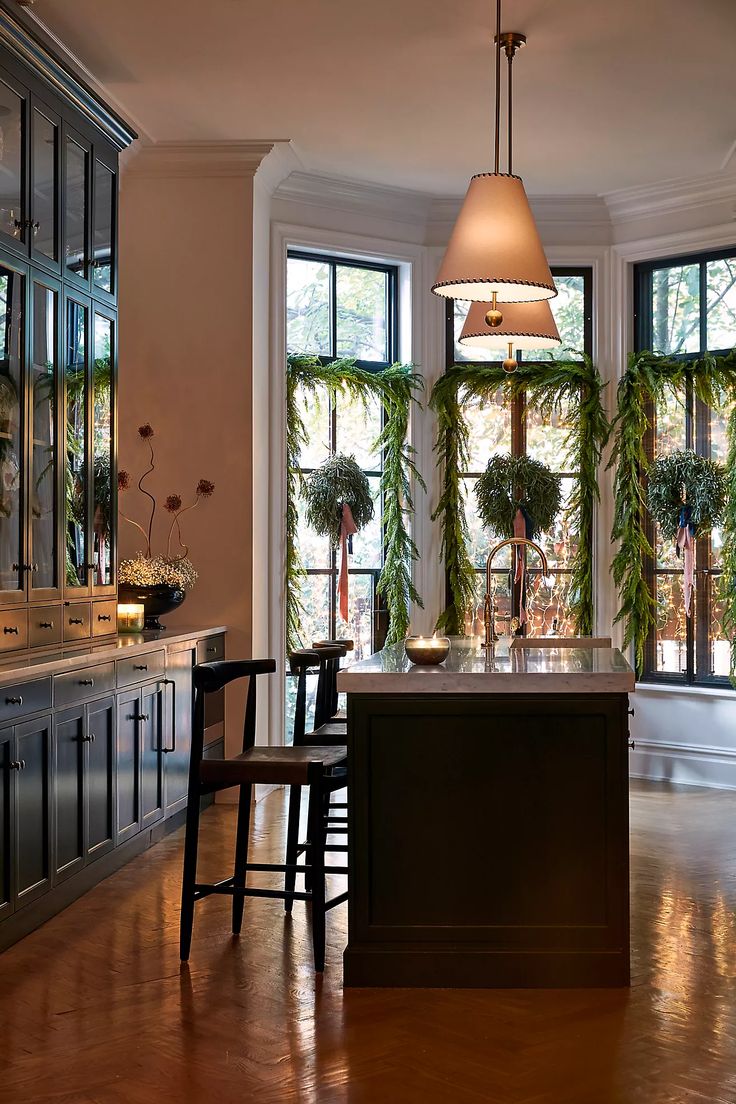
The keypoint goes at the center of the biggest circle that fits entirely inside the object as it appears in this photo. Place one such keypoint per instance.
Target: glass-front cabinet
(44, 388)
(13, 562)
(76, 476)
(104, 492)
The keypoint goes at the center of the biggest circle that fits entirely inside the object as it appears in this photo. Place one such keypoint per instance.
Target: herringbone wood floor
(95, 1008)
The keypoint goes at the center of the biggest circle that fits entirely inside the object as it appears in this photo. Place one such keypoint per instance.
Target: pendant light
(495, 252)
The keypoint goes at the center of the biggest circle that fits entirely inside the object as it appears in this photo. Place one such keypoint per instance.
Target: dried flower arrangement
(145, 569)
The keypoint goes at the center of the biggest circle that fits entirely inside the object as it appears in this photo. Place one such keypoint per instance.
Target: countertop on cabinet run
(511, 671)
(27, 665)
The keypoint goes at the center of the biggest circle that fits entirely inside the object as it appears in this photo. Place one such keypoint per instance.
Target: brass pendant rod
(497, 156)
(509, 106)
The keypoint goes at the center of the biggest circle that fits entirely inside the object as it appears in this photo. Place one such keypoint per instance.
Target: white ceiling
(608, 95)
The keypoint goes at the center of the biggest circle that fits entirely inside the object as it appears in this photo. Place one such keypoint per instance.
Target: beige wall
(185, 367)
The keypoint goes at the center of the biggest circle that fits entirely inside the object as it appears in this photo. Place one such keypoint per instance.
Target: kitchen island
(488, 820)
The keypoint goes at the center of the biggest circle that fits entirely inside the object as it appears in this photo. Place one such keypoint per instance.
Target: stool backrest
(210, 677)
(331, 651)
(300, 662)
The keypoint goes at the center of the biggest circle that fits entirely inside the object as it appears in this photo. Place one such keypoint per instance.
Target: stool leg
(241, 856)
(189, 877)
(317, 860)
(292, 841)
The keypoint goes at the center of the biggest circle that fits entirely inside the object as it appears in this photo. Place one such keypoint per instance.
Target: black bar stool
(321, 769)
(326, 711)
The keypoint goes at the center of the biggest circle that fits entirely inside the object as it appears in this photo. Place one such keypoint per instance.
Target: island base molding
(465, 968)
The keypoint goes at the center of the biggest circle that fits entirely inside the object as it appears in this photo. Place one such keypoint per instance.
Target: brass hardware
(89, 739)
(14, 701)
(140, 666)
(46, 625)
(87, 682)
(104, 617)
(511, 41)
(632, 745)
(511, 363)
(75, 621)
(17, 764)
(142, 717)
(9, 629)
(489, 608)
(494, 317)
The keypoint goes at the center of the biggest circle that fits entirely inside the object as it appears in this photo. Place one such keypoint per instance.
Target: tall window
(499, 426)
(337, 307)
(686, 306)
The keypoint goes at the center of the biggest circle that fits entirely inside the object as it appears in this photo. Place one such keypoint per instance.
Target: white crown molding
(670, 196)
(337, 193)
(208, 159)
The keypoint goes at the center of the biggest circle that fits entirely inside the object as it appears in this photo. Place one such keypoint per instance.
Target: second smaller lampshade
(524, 326)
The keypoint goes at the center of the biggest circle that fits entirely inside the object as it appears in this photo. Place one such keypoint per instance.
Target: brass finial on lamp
(524, 326)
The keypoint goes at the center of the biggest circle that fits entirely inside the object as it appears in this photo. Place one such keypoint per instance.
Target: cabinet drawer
(13, 630)
(104, 617)
(45, 625)
(87, 682)
(24, 698)
(141, 668)
(76, 618)
(211, 648)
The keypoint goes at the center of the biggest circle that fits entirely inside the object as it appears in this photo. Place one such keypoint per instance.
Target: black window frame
(379, 627)
(697, 437)
(518, 422)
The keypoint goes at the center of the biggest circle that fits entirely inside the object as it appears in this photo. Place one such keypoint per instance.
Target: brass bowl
(427, 651)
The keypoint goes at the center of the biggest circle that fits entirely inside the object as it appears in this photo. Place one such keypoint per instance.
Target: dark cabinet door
(6, 822)
(76, 183)
(100, 778)
(103, 477)
(128, 767)
(44, 224)
(13, 472)
(152, 757)
(69, 741)
(178, 737)
(45, 489)
(13, 199)
(32, 810)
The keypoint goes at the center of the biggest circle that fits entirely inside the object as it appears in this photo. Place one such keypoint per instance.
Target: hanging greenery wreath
(685, 481)
(513, 483)
(396, 388)
(573, 386)
(649, 379)
(336, 482)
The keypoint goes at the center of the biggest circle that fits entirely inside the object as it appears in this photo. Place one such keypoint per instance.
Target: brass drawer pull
(104, 617)
(142, 717)
(140, 666)
(14, 701)
(87, 682)
(18, 764)
(46, 625)
(76, 621)
(89, 739)
(10, 629)
(212, 648)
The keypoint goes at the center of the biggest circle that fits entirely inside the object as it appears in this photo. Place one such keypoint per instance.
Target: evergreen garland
(396, 388)
(511, 483)
(547, 387)
(650, 378)
(336, 482)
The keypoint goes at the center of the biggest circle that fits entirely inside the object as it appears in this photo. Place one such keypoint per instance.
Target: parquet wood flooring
(94, 1008)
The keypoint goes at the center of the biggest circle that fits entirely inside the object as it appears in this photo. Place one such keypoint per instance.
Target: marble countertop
(512, 671)
(28, 665)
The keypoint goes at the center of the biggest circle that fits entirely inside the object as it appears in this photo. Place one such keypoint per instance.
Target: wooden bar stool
(327, 717)
(318, 768)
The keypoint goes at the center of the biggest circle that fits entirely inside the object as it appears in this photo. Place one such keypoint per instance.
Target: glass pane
(43, 400)
(75, 209)
(11, 433)
(676, 309)
(721, 283)
(568, 309)
(11, 161)
(43, 172)
(719, 644)
(666, 550)
(314, 410)
(359, 625)
(368, 543)
(104, 216)
(671, 625)
(545, 440)
(308, 307)
(358, 428)
(548, 605)
(362, 313)
(76, 446)
(480, 540)
(103, 522)
(489, 429)
(670, 433)
(561, 545)
(313, 549)
(315, 596)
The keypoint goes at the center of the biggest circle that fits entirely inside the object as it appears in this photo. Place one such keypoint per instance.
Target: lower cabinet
(25, 814)
(140, 759)
(179, 669)
(84, 785)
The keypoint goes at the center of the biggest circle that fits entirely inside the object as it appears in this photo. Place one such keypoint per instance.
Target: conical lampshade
(495, 246)
(525, 325)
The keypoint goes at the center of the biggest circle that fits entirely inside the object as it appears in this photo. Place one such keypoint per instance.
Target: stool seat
(327, 735)
(283, 766)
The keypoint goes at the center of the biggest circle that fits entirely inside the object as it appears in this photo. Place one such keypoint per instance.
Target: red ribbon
(347, 528)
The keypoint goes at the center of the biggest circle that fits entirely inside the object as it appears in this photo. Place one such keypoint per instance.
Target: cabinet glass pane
(11, 433)
(76, 445)
(102, 452)
(75, 209)
(11, 162)
(43, 171)
(104, 214)
(43, 452)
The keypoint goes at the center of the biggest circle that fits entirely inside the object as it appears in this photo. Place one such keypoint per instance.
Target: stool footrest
(336, 900)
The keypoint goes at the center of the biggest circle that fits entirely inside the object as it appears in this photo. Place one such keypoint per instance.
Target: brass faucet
(489, 605)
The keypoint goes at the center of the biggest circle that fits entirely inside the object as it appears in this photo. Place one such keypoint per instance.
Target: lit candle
(427, 651)
(131, 617)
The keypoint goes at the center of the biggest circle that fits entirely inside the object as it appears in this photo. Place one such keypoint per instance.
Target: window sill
(689, 691)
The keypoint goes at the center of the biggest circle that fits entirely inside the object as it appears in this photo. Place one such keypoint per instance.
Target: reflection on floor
(94, 1007)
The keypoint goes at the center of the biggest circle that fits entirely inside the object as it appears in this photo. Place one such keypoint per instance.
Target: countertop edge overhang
(30, 665)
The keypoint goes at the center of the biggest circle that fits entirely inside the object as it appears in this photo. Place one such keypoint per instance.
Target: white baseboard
(686, 764)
